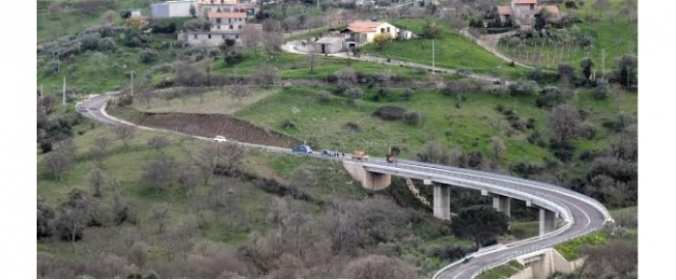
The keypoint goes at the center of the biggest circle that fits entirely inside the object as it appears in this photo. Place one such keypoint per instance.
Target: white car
(219, 139)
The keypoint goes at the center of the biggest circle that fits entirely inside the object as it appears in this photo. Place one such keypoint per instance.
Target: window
(212, 1)
(209, 36)
(532, 7)
(388, 30)
(236, 36)
(218, 20)
(195, 36)
(229, 20)
(218, 26)
(240, 26)
(230, 27)
(221, 1)
(382, 30)
(223, 36)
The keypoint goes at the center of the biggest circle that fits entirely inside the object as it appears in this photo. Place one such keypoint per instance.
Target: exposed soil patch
(208, 125)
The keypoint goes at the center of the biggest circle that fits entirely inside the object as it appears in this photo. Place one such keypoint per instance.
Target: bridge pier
(502, 204)
(369, 180)
(442, 201)
(547, 221)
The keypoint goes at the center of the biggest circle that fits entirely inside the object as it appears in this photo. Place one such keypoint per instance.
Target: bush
(551, 96)
(148, 56)
(413, 118)
(323, 97)
(408, 93)
(197, 24)
(233, 57)
(390, 113)
(287, 124)
(602, 89)
(587, 130)
(523, 88)
(352, 127)
(527, 169)
(353, 93)
(536, 75)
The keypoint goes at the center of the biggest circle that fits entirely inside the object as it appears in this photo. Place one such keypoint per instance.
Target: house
(214, 38)
(363, 32)
(168, 9)
(522, 12)
(329, 44)
(227, 21)
(227, 6)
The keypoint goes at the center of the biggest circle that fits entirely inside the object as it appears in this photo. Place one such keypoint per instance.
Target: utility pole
(433, 68)
(603, 63)
(64, 89)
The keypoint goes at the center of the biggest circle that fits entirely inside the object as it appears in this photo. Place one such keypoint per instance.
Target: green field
(614, 32)
(452, 50)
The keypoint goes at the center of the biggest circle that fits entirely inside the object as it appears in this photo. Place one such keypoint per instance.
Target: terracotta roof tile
(505, 10)
(525, 2)
(364, 26)
(227, 15)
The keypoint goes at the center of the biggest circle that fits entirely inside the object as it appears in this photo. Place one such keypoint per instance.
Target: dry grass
(215, 101)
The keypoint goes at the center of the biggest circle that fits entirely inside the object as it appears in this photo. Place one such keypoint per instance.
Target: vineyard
(208, 125)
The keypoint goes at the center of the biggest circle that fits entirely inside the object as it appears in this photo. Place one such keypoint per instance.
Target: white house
(363, 32)
(167, 9)
(206, 38)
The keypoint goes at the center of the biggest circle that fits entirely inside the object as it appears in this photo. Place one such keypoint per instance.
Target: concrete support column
(547, 221)
(502, 204)
(442, 201)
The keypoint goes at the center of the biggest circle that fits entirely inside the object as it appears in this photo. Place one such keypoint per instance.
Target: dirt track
(208, 125)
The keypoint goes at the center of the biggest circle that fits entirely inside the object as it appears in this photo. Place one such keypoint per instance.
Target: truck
(302, 149)
(360, 155)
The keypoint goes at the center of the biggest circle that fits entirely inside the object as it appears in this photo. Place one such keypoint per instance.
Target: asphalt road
(580, 213)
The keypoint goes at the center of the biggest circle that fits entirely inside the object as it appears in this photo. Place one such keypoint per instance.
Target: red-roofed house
(364, 31)
(227, 21)
(522, 12)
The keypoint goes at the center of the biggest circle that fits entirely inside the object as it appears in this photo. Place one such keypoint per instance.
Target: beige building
(227, 22)
(522, 12)
(363, 32)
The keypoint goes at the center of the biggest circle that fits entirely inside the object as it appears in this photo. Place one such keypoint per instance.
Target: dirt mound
(210, 125)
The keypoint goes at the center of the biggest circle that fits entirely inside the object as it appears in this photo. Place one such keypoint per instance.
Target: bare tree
(378, 267)
(346, 76)
(125, 133)
(498, 148)
(239, 92)
(188, 178)
(138, 254)
(157, 143)
(312, 61)
(68, 147)
(250, 37)
(157, 173)
(266, 75)
(160, 214)
(107, 17)
(96, 180)
(47, 103)
(57, 163)
(564, 120)
(290, 24)
(102, 142)
(98, 154)
(272, 42)
(205, 160)
(71, 224)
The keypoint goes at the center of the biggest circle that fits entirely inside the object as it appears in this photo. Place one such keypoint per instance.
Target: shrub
(352, 127)
(390, 113)
(323, 97)
(527, 169)
(232, 57)
(536, 75)
(408, 93)
(287, 124)
(353, 93)
(602, 89)
(413, 118)
(197, 24)
(148, 56)
(523, 88)
(551, 96)
(587, 130)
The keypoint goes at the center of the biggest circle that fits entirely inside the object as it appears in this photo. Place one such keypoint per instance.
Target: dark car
(329, 153)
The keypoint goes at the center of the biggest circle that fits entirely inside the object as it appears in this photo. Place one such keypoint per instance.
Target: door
(323, 48)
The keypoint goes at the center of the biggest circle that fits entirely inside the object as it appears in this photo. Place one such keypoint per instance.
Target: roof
(525, 2)
(505, 10)
(227, 15)
(217, 2)
(361, 26)
(329, 40)
(552, 9)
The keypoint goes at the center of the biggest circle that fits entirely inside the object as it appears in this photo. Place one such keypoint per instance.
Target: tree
(96, 180)
(71, 224)
(239, 92)
(378, 267)
(125, 133)
(272, 42)
(481, 223)
(98, 151)
(266, 75)
(158, 143)
(382, 40)
(434, 152)
(587, 65)
(564, 119)
(353, 94)
(601, 6)
(602, 89)
(346, 76)
(45, 220)
(498, 148)
(138, 254)
(188, 179)
(624, 70)
(193, 11)
(57, 163)
(431, 30)
(566, 74)
(160, 214)
(47, 103)
(250, 37)
(617, 259)
(108, 17)
(157, 173)
(312, 61)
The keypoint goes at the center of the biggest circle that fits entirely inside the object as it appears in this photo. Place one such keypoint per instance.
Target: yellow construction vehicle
(360, 155)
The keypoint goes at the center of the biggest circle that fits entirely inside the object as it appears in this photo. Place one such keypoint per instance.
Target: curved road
(581, 214)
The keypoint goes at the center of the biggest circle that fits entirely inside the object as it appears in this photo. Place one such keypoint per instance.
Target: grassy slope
(503, 271)
(452, 50)
(475, 119)
(615, 34)
(215, 102)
